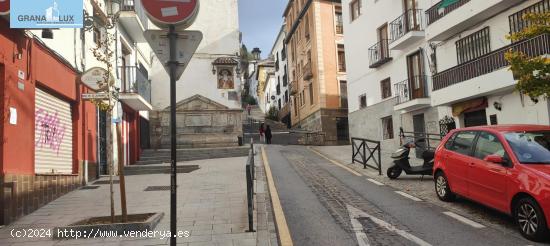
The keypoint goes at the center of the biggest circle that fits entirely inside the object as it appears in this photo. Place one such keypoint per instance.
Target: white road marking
(464, 220)
(357, 227)
(416, 199)
(356, 213)
(375, 182)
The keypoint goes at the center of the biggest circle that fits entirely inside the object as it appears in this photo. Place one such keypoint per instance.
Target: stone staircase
(159, 156)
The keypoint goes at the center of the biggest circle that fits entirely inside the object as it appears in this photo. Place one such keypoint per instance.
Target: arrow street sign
(181, 13)
(92, 96)
(187, 44)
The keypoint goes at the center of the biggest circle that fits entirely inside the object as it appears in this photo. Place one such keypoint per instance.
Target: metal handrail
(360, 150)
(411, 20)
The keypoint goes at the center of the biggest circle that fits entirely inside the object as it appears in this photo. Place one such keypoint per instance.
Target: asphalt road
(325, 204)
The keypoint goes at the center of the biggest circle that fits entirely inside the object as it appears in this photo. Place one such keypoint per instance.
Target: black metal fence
(361, 147)
(431, 140)
(250, 175)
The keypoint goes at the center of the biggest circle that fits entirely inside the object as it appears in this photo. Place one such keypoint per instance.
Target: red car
(505, 167)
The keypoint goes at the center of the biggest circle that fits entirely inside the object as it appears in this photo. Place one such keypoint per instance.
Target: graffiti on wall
(50, 131)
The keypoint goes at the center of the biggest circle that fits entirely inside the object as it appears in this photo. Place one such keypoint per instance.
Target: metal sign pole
(173, 63)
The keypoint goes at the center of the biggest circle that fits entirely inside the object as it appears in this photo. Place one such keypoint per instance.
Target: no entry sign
(4, 7)
(163, 13)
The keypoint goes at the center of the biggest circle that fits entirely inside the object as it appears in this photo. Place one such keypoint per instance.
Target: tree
(104, 54)
(533, 73)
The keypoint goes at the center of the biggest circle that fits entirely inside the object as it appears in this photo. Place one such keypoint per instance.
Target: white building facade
(282, 92)
(414, 65)
(211, 81)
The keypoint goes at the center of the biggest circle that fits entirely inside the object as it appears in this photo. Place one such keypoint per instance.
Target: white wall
(218, 21)
(360, 35)
(277, 51)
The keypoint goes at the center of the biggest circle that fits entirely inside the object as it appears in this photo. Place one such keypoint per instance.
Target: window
(463, 142)
(494, 120)
(306, 28)
(311, 101)
(488, 144)
(473, 46)
(343, 94)
(286, 96)
(295, 106)
(385, 86)
(530, 147)
(339, 21)
(387, 128)
(341, 58)
(355, 9)
(363, 101)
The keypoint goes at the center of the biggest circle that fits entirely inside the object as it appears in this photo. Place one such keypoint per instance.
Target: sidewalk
(212, 207)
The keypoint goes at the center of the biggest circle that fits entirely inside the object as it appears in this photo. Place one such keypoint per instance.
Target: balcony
(379, 54)
(407, 29)
(133, 19)
(447, 22)
(308, 72)
(135, 89)
(516, 21)
(412, 94)
(293, 88)
(484, 74)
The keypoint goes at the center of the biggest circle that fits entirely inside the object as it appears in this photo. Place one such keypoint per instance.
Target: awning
(446, 3)
(470, 106)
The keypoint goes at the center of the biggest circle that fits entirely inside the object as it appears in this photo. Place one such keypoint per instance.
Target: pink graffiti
(50, 130)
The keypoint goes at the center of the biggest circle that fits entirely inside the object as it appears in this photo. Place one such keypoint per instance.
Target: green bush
(272, 114)
(249, 100)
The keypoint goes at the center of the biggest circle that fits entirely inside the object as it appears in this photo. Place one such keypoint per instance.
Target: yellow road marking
(335, 162)
(280, 221)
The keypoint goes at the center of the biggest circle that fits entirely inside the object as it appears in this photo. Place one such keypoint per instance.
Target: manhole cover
(90, 187)
(104, 182)
(157, 188)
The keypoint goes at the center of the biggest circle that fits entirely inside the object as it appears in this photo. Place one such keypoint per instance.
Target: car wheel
(530, 219)
(394, 172)
(442, 188)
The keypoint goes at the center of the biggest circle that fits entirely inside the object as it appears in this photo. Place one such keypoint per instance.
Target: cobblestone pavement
(326, 204)
(422, 188)
(212, 207)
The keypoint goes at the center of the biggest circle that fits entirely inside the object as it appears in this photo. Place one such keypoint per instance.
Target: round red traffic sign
(4, 7)
(171, 12)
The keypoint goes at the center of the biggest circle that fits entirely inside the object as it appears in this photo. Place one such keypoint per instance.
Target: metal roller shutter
(53, 134)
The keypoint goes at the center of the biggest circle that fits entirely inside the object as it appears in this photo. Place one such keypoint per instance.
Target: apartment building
(282, 92)
(317, 68)
(429, 67)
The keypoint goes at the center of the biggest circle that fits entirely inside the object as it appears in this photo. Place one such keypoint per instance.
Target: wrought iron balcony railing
(412, 88)
(379, 54)
(134, 81)
(490, 62)
(434, 13)
(411, 20)
(517, 23)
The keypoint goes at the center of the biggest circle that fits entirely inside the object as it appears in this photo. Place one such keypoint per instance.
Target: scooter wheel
(394, 172)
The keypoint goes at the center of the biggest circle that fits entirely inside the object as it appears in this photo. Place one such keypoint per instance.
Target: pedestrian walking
(262, 131)
(268, 135)
(248, 108)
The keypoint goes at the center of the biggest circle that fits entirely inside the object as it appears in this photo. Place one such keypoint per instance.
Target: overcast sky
(260, 22)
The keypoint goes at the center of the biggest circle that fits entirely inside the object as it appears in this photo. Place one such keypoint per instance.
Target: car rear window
(463, 142)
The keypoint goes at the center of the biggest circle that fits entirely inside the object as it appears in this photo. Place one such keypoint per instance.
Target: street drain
(90, 187)
(104, 182)
(157, 188)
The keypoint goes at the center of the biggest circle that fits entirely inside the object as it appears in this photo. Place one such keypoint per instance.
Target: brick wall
(33, 192)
